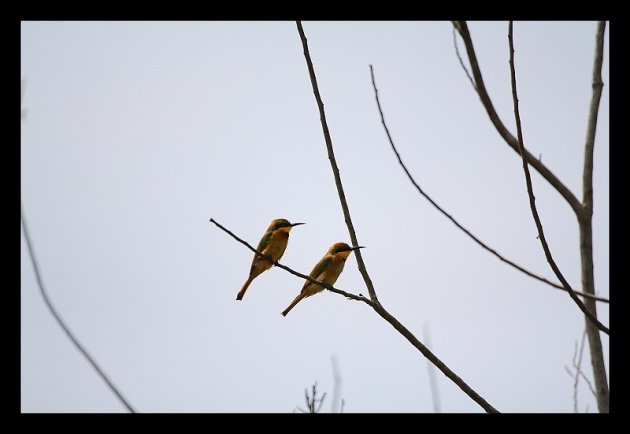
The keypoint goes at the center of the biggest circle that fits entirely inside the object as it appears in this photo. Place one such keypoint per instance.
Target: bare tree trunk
(586, 229)
(594, 339)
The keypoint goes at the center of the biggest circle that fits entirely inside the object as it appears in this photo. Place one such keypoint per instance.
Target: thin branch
(588, 382)
(452, 219)
(459, 57)
(532, 199)
(335, 169)
(310, 404)
(387, 317)
(376, 305)
(577, 364)
(598, 85)
(321, 402)
(65, 328)
(575, 204)
(577, 377)
(326, 285)
(433, 358)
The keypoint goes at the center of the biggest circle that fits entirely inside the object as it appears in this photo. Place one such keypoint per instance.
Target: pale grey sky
(138, 132)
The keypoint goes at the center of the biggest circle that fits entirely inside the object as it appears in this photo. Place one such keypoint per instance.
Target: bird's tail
(241, 293)
(293, 303)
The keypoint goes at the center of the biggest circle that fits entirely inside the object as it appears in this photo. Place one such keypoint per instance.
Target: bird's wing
(318, 269)
(264, 242)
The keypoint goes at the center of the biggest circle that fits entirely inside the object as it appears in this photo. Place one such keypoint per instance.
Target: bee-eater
(326, 270)
(273, 243)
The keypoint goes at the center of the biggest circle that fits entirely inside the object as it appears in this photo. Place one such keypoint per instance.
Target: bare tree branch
(586, 229)
(588, 382)
(49, 305)
(532, 199)
(335, 169)
(62, 324)
(376, 305)
(462, 28)
(452, 219)
(459, 57)
(577, 364)
(437, 362)
(321, 402)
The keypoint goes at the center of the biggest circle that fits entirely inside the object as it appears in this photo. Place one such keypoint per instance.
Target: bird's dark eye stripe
(341, 249)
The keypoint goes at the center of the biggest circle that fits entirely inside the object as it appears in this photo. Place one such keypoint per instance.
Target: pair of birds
(274, 243)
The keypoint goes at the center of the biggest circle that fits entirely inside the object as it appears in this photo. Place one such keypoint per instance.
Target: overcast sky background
(137, 133)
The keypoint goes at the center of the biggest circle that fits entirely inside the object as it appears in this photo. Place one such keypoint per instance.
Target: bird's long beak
(357, 248)
(297, 224)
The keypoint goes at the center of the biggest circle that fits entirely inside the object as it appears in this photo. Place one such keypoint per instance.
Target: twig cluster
(313, 403)
(577, 372)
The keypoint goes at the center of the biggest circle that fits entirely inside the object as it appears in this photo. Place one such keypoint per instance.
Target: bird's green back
(318, 269)
(321, 266)
(264, 241)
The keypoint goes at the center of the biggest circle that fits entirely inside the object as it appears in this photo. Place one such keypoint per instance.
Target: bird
(273, 243)
(326, 270)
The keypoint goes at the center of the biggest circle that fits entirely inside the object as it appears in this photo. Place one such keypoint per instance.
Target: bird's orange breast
(277, 244)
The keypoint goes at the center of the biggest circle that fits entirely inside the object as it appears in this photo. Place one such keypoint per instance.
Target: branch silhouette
(62, 324)
(335, 169)
(459, 57)
(480, 87)
(313, 403)
(49, 305)
(451, 218)
(532, 199)
(376, 305)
